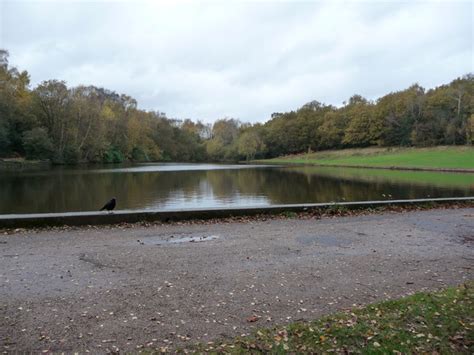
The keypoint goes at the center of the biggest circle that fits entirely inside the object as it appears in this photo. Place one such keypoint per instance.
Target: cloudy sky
(243, 59)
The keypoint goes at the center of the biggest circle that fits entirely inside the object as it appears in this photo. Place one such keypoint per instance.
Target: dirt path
(109, 288)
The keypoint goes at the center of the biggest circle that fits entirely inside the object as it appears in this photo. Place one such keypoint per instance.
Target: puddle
(467, 239)
(176, 239)
(325, 240)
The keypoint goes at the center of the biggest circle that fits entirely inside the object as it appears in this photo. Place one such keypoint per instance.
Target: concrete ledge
(129, 216)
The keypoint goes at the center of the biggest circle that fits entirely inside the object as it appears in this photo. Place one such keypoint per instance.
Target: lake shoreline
(21, 164)
(403, 168)
(222, 215)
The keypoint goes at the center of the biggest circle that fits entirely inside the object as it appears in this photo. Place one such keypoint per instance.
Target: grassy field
(431, 323)
(433, 157)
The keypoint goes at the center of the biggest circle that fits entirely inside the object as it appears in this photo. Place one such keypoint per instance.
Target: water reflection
(143, 168)
(174, 186)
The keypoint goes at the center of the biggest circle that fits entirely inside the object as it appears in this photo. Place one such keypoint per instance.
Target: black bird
(109, 206)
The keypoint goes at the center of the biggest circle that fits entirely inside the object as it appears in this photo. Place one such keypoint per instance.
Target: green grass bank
(435, 323)
(433, 158)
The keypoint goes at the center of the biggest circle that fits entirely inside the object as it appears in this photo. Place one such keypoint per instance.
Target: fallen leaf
(252, 319)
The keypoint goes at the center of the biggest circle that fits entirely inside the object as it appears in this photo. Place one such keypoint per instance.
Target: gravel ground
(109, 289)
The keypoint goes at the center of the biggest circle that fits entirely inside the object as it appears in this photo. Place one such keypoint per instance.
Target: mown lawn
(434, 157)
(432, 323)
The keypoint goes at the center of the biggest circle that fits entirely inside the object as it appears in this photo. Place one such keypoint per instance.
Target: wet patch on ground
(91, 260)
(176, 239)
(323, 240)
(467, 239)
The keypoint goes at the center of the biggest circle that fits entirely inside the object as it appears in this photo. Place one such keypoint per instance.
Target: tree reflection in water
(200, 186)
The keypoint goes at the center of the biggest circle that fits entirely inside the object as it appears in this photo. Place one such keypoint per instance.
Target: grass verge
(436, 323)
(416, 158)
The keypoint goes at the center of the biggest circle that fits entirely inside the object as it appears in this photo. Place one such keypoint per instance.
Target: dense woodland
(90, 124)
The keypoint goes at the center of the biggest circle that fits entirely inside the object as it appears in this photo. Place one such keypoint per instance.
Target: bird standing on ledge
(109, 206)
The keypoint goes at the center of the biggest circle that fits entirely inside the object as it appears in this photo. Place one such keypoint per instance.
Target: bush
(139, 155)
(71, 155)
(113, 155)
(4, 140)
(37, 144)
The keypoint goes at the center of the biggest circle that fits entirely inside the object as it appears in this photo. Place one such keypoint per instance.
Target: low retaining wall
(127, 216)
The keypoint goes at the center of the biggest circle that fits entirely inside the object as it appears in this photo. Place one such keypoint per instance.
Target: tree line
(91, 124)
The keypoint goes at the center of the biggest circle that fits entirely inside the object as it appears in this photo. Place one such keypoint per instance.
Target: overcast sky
(242, 59)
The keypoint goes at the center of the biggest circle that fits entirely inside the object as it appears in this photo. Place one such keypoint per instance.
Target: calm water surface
(176, 186)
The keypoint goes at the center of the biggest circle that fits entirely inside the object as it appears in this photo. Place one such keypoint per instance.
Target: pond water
(187, 186)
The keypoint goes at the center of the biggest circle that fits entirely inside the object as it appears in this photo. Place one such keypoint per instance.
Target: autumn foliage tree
(85, 123)
(91, 124)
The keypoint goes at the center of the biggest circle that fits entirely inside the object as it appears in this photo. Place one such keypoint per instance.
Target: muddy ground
(109, 289)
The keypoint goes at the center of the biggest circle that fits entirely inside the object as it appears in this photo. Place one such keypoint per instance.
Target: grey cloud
(208, 60)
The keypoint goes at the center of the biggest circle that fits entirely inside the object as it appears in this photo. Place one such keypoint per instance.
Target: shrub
(37, 144)
(113, 155)
(71, 155)
(139, 155)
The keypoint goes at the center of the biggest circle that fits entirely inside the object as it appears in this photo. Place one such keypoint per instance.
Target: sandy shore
(125, 288)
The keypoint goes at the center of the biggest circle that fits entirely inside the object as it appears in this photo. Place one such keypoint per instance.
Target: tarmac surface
(116, 288)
